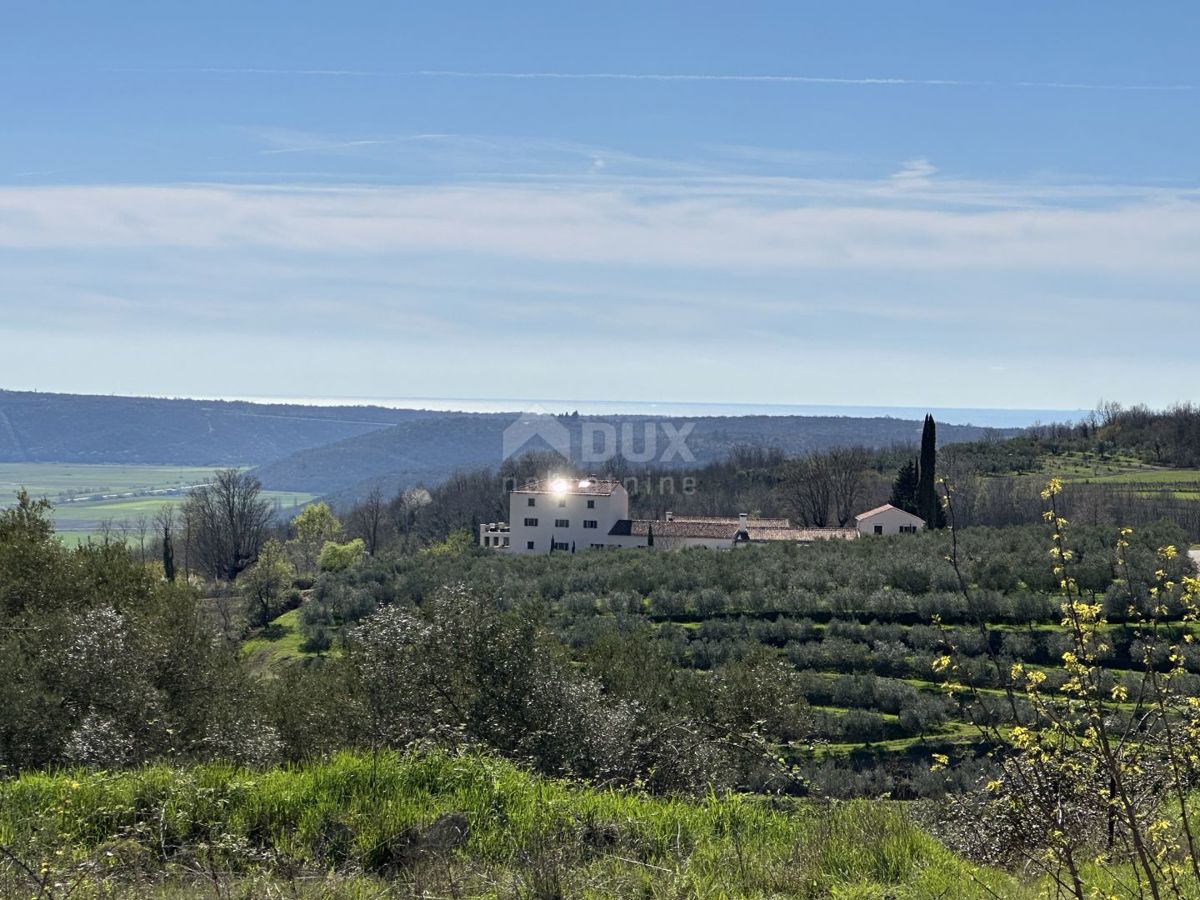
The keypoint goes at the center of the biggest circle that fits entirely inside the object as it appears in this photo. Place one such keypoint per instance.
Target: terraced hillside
(858, 627)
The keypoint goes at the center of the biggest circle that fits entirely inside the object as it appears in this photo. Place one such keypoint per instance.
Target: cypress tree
(928, 507)
(168, 553)
(904, 488)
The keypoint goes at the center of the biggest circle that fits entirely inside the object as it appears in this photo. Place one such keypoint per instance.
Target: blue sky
(943, 204)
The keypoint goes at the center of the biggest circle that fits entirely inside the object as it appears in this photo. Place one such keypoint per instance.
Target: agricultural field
(1124, 472)
(1087, 466)
(91, 499)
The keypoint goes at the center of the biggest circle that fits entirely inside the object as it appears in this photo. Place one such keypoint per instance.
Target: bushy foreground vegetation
(435, 824)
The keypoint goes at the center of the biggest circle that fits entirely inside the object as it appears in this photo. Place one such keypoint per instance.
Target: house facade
(888, 519)
(559, 514)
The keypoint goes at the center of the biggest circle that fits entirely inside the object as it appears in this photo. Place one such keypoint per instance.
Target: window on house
(879, 529)
(562, 523)
(531, 523)
(561, 545)
(533, 501)
(908, 529)
(590, 523)
(591, 504)
(596, 546)
(506, 542)
(529, 545)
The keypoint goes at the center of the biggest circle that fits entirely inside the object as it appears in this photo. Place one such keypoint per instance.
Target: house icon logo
(539, 428)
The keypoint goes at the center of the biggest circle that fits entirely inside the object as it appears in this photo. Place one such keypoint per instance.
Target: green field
(1076, 466)
(87, 497)
(1182, 484)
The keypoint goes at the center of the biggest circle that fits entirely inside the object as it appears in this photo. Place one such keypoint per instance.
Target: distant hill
(427, 450)
(36, 427)
(343, 450)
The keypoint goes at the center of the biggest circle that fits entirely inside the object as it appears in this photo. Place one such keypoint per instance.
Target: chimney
(670, 516)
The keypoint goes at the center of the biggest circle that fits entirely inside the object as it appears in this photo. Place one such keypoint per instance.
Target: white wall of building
(565, 518)
(888, 521)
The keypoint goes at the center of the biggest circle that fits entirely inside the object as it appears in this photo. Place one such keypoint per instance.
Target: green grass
(279, 642)
(1152, 477)
(85, 497)
(466, 826)
(949, 734)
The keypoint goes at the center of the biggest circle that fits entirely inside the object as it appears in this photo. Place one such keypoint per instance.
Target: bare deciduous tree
(113, 531)
(369, 519)
(228, 518)
(848, 479)
(141, 527)
(808, 489)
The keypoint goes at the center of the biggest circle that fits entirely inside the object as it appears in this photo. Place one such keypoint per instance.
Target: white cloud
(722, 224)
(914, 173)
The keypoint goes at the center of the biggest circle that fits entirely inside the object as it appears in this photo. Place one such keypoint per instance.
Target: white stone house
(572, 514)
(559, 514)
(888, 519)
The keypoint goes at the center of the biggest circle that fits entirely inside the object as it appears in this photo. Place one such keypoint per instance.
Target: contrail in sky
(683, 77)
(800, 79)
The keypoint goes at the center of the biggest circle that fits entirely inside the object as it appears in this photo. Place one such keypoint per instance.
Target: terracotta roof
(801, 535)
(662, 528)
(592, 486)
(725, 528)
(733, 520)
(884, 508)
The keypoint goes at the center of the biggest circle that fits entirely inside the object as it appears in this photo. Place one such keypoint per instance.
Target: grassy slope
(374, 820)
(280, 642)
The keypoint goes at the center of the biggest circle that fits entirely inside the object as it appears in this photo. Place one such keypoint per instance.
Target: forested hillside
(343, 451)
(1168, 438)
(429, 450)
(37, 427)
